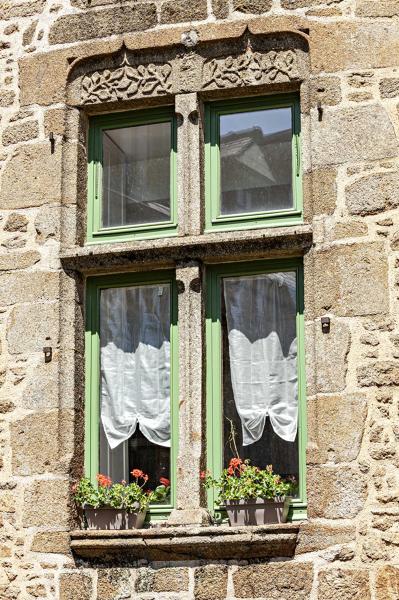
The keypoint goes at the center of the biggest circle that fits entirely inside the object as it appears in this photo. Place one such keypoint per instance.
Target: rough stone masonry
(346, 59)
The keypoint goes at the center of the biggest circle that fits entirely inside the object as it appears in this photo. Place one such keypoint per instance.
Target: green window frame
(213, 219)
(95, 232)
(215, 274)
(94, 285)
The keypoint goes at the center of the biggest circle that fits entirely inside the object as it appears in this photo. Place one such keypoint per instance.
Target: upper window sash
(112, 141)
(229, 153)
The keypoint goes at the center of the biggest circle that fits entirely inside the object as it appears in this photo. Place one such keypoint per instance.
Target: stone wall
(349, 548)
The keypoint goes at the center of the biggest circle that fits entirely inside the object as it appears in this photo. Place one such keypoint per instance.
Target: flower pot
(257, 511)
(111, 518)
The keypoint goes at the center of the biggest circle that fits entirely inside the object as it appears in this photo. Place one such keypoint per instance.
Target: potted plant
(251, 496)
(117, 505)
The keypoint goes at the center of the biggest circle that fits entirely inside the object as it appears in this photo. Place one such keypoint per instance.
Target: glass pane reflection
(256, 161)
(136, 175)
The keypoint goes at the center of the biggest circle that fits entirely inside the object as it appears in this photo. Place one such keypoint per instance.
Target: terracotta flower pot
(111, 518)
(257, 511)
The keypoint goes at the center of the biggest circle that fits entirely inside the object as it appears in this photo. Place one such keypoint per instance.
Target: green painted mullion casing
(95, 233)
(213, 111)
(215, 274)
(94, 285)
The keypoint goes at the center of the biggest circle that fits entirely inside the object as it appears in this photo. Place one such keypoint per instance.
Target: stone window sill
(188, 543)
(289, 240)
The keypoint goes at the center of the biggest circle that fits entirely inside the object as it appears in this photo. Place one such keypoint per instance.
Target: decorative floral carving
(248, 69)
(126, 82)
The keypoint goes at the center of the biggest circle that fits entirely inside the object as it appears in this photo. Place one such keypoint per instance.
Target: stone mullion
(188, 165)
(190, 498)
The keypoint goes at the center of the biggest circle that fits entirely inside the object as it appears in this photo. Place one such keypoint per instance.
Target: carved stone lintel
(191, 72)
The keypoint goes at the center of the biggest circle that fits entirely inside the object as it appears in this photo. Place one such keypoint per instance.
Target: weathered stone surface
(47, 223)
(210, 582)
(91, 3)
(113, 583)
(329, 373)
(255, 7)
(51, 542)
(75, 586)
(378, 373)
(180, 11)
(46, 504)
(28, 34)
(351, 134)
(37, 286)
(274, 581)
(351, 280)
(16, 222)
(314, 536)
(31, 178)
(41, 390)
(331, 439)
(294, 4)
(377, 8)
(170, 579)
(387, 584)
(323, 182)
(7, 97)
(18, 260)
(173, 579)
(54, 121)
(348, 229)
(326, 90)
(220, 8)
(40, 319)
(7, 501)
(34, 443)
(120, 19)
(16, 8)
(344, 584)
(333, 48)
(22, 132)
(373, 194)
(335, 492)
(389, 88)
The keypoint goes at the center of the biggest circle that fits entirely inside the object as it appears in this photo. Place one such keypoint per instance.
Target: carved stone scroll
(126, 82)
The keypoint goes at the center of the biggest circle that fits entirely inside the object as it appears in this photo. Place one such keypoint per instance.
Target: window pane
(135, 382)
(256, 161)
(260, 397)
(136, 175)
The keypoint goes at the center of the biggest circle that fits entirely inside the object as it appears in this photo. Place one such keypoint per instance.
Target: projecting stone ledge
(279, 242)
(187, 543)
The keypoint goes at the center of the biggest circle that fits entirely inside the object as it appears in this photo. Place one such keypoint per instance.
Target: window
(252, 163)
(255, 387)
(255, 370)
(131, 349)
(132, 176)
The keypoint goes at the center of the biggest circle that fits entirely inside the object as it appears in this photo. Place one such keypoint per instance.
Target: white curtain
(261, 323)
(135, 363)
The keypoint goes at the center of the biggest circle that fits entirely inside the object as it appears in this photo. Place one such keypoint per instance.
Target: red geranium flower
(138, 473)
(104, 481)
(164, 481)
(235, 463)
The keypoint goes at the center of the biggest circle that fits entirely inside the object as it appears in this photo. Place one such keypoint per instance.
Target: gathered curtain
(261, 325)
(135, 363)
